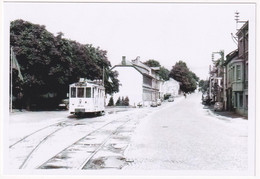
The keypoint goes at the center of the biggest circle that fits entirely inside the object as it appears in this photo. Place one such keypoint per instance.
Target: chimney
(123, 60)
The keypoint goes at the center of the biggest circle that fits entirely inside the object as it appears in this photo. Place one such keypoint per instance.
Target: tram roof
(89, 83)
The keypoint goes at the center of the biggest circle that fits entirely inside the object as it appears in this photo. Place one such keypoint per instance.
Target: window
(246, 72)
(233, 74)
(88, 92)
(246, 42)
(73, 92)
(80, 93)
(240, 47)
(238, 72)
(234, 100)
(246, 105)
(240, 100)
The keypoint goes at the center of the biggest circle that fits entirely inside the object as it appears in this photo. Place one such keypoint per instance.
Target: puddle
(114, 162)
(53, 167)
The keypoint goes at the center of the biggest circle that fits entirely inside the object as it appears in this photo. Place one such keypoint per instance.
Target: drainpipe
(224, 88)
(209, 82)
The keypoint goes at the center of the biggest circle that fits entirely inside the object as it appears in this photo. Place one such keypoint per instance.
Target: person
(184, 95)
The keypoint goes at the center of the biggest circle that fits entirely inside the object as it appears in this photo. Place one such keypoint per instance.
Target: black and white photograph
(129, 88)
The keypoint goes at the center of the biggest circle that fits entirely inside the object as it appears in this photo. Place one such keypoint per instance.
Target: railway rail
(97, 135)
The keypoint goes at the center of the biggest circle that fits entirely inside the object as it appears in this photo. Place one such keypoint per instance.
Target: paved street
(184, 136)
(179, 135)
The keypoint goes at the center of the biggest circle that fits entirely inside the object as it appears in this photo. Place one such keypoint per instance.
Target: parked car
(218, 106)
(140, 104)
(171, 99)
(64, 104)
(154, 104)
(159, 102)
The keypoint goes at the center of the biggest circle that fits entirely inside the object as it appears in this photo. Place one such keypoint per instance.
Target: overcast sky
(166, 32)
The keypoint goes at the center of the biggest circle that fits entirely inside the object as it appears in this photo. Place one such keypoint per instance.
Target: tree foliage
(111, 101)
(204, 85)
(50, 63)
(181, 73)
(163, 72)
(152, 63)
(124, 101)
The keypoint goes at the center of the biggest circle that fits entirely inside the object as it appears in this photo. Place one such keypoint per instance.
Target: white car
(171, 99)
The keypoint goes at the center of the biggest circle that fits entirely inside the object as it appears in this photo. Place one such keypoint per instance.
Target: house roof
(244, 27)
(231, 56)
(139, 66)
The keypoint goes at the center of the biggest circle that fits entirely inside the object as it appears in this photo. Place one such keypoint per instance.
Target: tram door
(95, 96)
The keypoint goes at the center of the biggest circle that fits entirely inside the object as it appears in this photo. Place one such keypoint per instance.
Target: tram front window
(73, 92)
(88, 92)
(80, 93)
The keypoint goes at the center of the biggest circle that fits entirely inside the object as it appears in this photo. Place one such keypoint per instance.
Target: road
(184, 136)
(180, 135)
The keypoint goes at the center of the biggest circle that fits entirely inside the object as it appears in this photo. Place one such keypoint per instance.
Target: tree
(50, 63)
(111, 101)
(181, 73)
(204, 85)
(125, 101)
(152, 63)
(118, 102)
(163, 72)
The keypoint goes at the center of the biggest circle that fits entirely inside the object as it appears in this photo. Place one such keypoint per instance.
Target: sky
(166, 32)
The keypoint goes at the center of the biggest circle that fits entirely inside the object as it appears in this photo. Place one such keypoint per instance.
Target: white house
(140, 83)
(171, 87)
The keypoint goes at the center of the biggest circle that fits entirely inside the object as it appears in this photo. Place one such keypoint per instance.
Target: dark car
(218, 106)
(64, 104)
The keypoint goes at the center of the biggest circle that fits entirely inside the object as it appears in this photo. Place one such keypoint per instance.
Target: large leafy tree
(163, 72)
(188, 80)
(152, 63)
(204, 85)
(50, 63)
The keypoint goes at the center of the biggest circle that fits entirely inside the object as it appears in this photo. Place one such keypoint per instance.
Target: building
(216, 80)
(139, 82)
(236, 67)
(171, 87)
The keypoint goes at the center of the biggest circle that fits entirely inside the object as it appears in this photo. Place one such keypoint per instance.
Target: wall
(131, 82)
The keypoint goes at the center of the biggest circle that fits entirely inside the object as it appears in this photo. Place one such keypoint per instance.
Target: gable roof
(139, 66)
(231, 56)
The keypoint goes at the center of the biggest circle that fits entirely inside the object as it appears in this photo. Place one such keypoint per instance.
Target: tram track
(24, 153)
(25, 147)
(23, 150)
(81, 152)
(39, 130)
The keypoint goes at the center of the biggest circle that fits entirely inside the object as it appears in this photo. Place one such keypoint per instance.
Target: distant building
(216, 83)
(237, 74)
(171, 87)
(138, 81)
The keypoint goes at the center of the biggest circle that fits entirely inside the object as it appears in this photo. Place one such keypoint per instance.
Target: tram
(86, 96)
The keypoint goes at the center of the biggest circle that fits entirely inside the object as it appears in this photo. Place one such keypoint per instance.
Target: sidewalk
(230, 114)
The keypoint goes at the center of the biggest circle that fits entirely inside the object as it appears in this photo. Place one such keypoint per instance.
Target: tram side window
(80, 93)
(88, 92)
(73, 92)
